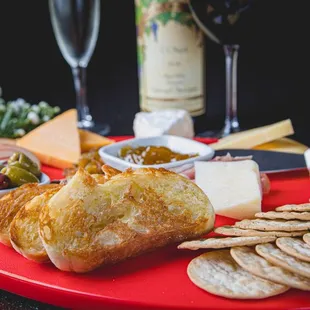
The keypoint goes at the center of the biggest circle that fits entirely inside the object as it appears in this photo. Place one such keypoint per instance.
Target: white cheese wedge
(164, 122)
(234, 188)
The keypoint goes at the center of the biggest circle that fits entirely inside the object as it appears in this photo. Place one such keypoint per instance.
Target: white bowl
(109, 153)
(44, 180)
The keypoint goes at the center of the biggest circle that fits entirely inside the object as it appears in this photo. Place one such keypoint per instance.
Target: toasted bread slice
(109, 171)
(13, 201)
(86, 224)
(24, 229)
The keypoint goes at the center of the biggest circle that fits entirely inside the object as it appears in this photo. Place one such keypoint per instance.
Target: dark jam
(151, 155)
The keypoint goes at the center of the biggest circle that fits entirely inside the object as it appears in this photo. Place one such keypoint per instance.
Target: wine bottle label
(170, 57)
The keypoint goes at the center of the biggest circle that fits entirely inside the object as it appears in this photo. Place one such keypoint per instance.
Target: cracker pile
(258, 258)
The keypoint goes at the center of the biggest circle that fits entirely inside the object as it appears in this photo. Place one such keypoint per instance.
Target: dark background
(273, 65)
(273, 78)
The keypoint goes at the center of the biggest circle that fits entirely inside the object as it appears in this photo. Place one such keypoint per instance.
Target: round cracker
(217, 273)
(306, 238)
(272, 225)
(235, 231)
(220, 243)
(304, 207)
(294, 247)
(249, 260)
(279, 258)
(273, 215)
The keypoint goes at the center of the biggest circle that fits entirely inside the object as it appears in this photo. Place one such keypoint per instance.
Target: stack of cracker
(258, 258)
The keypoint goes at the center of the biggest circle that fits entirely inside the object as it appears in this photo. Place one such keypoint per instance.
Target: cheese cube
(174, 122)
(234, 188)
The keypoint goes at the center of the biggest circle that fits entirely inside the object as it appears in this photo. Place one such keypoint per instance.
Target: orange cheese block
(57, 142)
(90, 140)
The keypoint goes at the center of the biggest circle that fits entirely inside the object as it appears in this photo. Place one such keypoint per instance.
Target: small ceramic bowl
(44, 180)
(109, 153)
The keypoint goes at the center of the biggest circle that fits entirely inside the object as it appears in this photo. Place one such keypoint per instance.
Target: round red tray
(156, 280)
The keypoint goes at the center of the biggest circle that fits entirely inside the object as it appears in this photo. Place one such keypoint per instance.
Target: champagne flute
(76, 26)
(224, 22)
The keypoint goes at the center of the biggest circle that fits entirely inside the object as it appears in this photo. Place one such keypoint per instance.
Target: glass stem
(84, 117)
(231, 119)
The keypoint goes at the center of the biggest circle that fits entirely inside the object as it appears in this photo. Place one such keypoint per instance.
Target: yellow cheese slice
(283, 145)
(90, 140)
(257, 136)
(57, 142)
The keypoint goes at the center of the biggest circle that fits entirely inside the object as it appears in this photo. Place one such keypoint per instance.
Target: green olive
(23, 166)
(17, 164)
(19, 176)
(24, 162)
(14, 157)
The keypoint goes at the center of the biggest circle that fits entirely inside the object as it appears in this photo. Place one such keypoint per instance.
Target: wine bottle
(171, 57)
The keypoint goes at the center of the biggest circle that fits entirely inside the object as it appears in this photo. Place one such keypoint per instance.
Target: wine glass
(224, 22)
(76, 26)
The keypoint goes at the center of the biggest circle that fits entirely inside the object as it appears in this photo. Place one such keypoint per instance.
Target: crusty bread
(108, 173)
(24, 229)
(86, 225)
(13, 201)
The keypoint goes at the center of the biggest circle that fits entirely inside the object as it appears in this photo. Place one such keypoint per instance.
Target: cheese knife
(272, 161)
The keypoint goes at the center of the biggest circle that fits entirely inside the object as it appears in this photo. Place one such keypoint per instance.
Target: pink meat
(228, 158)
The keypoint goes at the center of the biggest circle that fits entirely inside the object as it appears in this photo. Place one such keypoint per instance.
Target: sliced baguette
(86, 225)
(24, 229)
(13, 201)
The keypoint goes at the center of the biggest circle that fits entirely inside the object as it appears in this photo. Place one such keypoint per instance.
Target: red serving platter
(156, 280)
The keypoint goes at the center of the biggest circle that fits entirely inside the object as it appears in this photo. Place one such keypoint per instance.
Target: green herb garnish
(18, 117)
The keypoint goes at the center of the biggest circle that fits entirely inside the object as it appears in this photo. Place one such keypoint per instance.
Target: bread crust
(86, 225)
(11, 203)
(24, 229)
